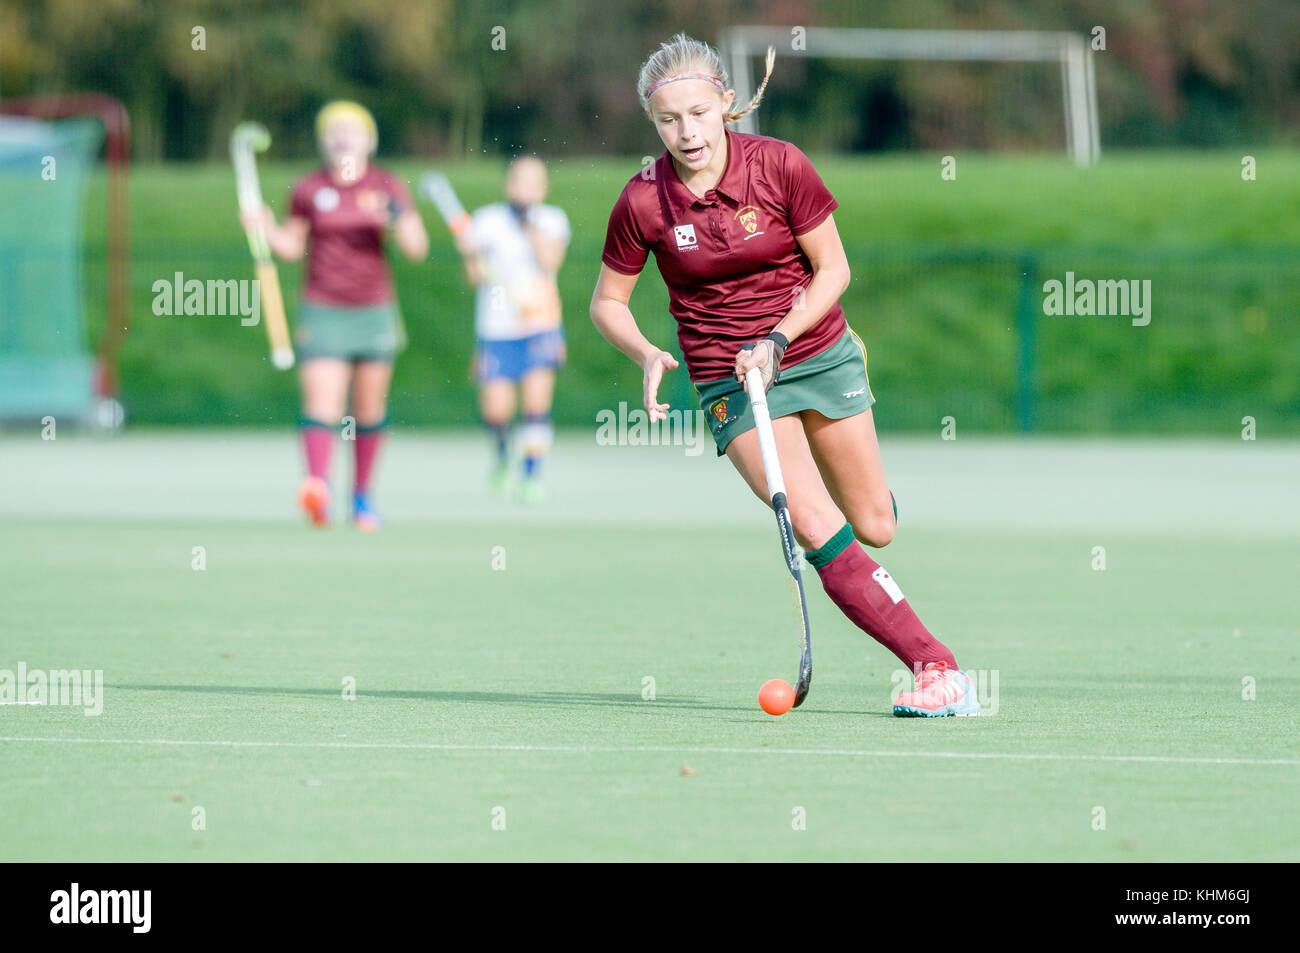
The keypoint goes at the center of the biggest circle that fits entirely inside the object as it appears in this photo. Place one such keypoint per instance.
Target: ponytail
(758, 96)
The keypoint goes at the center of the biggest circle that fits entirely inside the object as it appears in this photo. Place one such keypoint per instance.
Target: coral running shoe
(314, 498)
(940, 691)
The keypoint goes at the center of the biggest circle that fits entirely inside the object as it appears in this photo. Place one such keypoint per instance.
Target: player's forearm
(287, 244)
(827, 284)
(614, 321)
(475, 273)
(411, 236)
(548, 252)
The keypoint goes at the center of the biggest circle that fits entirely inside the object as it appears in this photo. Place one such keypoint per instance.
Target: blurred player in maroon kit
(742, 231)
(348, 330)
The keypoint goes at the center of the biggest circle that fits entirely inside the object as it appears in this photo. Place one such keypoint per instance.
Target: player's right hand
(652, 369)
(262, 218)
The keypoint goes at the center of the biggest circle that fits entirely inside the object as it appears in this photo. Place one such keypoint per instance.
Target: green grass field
(521, 688)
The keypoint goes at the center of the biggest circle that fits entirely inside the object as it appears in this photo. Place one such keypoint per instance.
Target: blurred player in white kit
(512, 252)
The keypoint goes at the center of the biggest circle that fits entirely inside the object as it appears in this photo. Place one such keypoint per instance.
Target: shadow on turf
(507, 698)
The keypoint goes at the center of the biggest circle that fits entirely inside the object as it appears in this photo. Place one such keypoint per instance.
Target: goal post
(739, 45)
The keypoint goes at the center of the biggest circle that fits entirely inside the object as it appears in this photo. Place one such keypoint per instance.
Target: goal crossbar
(1078, 79)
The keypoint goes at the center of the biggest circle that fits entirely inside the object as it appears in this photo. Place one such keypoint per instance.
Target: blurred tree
(496, 76)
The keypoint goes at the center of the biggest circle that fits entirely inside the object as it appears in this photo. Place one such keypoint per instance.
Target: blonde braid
(758, 96)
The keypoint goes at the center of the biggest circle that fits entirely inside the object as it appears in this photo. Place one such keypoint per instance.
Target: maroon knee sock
(873, 602)
(368, 442)
(318, 446)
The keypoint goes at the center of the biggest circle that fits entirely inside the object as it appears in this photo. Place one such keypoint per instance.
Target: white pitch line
(659, 749)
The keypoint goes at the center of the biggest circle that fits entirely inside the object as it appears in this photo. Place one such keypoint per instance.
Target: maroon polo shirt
(730, 259)
(345, 246)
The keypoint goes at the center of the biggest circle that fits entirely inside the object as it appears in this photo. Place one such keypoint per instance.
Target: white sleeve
(552, 222)
(480, 227)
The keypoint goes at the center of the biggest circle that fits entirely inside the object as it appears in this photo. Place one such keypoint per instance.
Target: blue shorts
(512, 358)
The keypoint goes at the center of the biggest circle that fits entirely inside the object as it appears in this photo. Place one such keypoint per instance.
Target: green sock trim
(371, 428)
(834, 546)
(304, 422)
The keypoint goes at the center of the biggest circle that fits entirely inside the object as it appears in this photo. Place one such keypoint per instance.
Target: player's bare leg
(370, 383)
(496, 401)
(848, 457)
(859, 586)
(536, 391)
(324, 383)
(813, 514)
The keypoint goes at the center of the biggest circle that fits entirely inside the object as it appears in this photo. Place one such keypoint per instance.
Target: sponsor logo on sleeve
(326, 199)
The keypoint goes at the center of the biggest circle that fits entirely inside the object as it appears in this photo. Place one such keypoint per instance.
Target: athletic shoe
(314, 497)
(531, 491)
(501, 481)
(939, 691)
(364, 515)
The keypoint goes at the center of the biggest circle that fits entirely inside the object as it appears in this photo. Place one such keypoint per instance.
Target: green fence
(966, 334)
(958, 333)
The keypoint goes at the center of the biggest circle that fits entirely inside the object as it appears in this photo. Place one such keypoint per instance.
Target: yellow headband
(345, 109)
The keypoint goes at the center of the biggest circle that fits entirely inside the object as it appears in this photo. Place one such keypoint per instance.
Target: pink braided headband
(672, 79)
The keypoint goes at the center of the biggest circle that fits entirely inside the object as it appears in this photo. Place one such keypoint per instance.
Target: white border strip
(658, 749)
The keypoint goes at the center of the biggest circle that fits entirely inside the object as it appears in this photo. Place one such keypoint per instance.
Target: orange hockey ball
(776, 697)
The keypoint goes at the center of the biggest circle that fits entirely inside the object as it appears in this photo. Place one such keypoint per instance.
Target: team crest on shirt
(372, 201)
(326, 199)
(748, 217)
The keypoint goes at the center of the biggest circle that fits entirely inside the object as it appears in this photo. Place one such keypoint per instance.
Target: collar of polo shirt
(732, 185)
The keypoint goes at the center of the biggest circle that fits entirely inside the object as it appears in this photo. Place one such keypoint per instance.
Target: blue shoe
(940, 692)
(364, 515)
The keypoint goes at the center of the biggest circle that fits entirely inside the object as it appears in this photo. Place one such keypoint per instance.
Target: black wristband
(779, 339)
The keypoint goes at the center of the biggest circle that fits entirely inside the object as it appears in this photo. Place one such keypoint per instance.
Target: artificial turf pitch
(514, 697)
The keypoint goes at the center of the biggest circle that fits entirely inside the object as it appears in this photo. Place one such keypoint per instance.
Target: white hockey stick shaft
(766, 439)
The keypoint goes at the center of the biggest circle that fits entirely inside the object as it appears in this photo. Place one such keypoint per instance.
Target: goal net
(46, 365)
